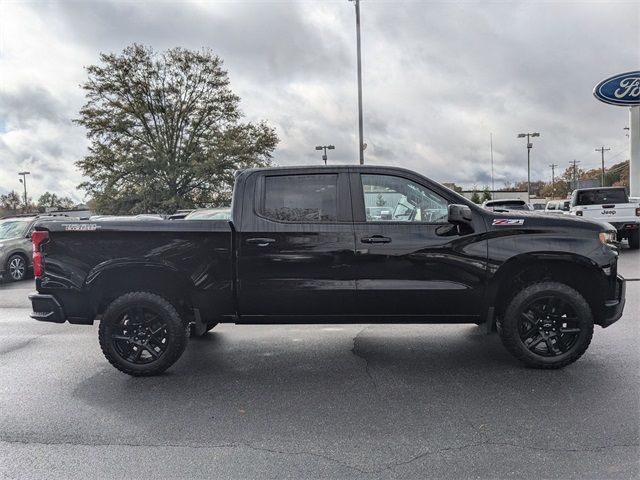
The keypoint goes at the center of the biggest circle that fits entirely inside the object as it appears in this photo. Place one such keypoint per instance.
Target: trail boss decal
(76, 227)
(508, 221)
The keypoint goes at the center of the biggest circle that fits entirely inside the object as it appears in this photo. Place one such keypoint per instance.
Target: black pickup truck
(332, 245)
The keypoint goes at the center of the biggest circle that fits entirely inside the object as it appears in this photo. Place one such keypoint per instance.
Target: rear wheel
(634, 239)
(547, 325)
(141, 334)
(16, 267)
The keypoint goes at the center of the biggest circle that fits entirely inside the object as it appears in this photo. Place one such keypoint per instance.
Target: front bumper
(613, 308)
(46, 308)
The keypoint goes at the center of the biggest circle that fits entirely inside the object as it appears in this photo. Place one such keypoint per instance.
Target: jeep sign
(623, 89)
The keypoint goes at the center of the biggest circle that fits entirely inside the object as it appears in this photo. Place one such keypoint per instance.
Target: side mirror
(459, 215)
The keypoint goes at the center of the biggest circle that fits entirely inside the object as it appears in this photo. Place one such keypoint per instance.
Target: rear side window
(551, 206)
(600, 197)
(301, 198)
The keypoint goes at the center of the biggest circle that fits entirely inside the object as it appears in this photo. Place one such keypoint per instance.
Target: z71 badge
(508, 221)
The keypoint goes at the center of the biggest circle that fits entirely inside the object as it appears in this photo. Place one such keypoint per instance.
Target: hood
(537, 219)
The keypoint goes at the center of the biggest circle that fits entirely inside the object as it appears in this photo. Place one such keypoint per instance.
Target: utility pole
(23, 180)
(493, 188)
(360, 127)
(529, 147)
(602, 150)
(553, 180)
(576, 182)
(325, 148)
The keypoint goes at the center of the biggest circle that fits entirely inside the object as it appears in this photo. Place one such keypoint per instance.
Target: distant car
(506, 205)
(612, 205)
(179, 215)
(15, 247)
(223, 213)
(558, 206)
(127, 218)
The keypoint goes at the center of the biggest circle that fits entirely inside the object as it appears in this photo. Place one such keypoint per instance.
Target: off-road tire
(508, 325)
(176, 332)
(634, 240)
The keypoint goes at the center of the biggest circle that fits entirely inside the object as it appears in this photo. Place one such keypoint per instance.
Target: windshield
(13, 228)
(600, 197)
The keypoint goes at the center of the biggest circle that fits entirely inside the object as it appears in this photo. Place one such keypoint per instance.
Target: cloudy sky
(438, 76)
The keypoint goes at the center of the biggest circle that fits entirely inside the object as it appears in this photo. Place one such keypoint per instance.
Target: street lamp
(360, 128)
(325, 148)
(23, 180)
(529, 147)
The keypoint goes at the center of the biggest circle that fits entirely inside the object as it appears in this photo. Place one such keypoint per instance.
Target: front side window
(395, 199)
(301, 198)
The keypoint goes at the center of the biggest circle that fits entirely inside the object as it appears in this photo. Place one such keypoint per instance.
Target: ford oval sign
(623, 89)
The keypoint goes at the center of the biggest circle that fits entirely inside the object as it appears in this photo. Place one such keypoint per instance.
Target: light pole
(23, 180)
(529, 147)
(325, 148)
(361, 146)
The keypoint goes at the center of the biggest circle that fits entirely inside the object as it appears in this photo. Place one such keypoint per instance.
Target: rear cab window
(601, 197)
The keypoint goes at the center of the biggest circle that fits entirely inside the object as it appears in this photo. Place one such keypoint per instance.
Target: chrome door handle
(375, 239)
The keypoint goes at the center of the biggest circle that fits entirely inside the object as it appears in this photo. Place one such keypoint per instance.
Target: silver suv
(15, 247)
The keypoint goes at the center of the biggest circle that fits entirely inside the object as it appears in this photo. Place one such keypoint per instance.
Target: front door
(295, 259)
(409, 260)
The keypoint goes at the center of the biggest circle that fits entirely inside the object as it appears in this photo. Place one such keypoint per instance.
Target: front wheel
(547, 325)
(141, 334)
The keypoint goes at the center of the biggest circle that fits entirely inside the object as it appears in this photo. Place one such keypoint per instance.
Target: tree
(475, 197)
(51, 200)
(165, 131)
(380, 201)
(486, 194)
(11, 202)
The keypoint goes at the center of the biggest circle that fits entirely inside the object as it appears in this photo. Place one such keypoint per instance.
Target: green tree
(11, 202)
(51, 200)
(165, 131)
(475, 197)
(486, 194)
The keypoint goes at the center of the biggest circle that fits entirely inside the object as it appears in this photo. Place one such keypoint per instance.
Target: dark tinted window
(600, 197)
(301, 198)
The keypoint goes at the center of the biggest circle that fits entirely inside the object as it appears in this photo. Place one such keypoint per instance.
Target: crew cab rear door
(409, 261)
(296, 246)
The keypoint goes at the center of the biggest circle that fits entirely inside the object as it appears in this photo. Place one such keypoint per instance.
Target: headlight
(608, 237)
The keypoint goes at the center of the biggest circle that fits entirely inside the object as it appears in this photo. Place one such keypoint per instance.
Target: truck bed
(99, 259)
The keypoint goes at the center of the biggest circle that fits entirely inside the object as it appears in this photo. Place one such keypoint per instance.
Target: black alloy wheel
(142, 334)
(547, 325)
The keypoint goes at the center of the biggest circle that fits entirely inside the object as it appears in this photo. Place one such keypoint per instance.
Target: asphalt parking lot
(328, 401)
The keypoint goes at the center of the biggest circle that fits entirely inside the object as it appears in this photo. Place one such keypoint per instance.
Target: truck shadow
(240, 379)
